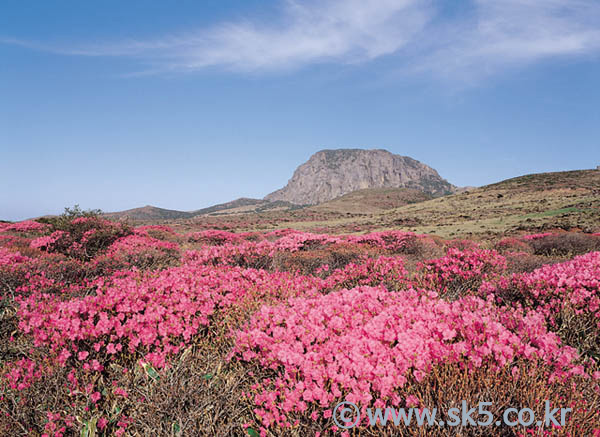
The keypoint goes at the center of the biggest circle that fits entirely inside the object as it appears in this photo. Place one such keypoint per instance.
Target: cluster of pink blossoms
(237, 249)
(9, 258)
(47, 242)
(22, 373)
(551, 287)
(536, 236)
(388, 240)
(385, 270)
(366, 332)
(214, 237)
(363, 345)
(134, 243)
(462, 265)
(25, 226)
(153, 315)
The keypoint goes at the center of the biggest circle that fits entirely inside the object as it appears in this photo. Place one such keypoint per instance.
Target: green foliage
(83, 233)
(62, 221)
(89, 428)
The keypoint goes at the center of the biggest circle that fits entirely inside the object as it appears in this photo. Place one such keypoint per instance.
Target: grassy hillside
(531, 203)
(373, 200)
(527, 203)
(241, 204)
(246, 206)
(152, 214)
(148, 213)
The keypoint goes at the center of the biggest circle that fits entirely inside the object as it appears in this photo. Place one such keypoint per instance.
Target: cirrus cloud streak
(482, 38)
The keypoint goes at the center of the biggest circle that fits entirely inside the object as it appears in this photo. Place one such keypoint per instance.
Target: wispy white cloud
(504, 33)
(334, 31)
(488, 36)
(306, 32)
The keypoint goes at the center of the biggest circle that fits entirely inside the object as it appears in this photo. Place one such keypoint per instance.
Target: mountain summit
(332, 173)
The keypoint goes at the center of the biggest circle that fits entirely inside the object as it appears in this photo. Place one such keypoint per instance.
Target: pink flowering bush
(245, 254)
(393, 241)
(78, 234)
(10, 259)
(232, 249)
(156, 313)
(48, 243)
(460, 271)
(22, 373)
(139, 319)
(531, 237)
(53, 273)
(368, 346)
(160, 232)
(567, 294)
(213, 237)
(387, 271)
(322, 261)
(143, 251)
(27, 226)
(14, 271)
(133, 331)
(151, 315)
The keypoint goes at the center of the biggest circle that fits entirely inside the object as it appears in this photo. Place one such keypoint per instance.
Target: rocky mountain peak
(332, 173)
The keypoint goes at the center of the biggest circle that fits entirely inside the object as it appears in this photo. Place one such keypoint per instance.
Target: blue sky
(181, 105)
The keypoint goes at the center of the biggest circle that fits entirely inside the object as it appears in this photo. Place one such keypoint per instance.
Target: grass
(530, 203)
(554, 212)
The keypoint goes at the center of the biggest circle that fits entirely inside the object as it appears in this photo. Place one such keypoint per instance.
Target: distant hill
(328, 175)
(148, 213)
(244, 205)
(371, 200)
(241, 203)
(536, 202)
(332, 173)
(530, 203)
(239, 206)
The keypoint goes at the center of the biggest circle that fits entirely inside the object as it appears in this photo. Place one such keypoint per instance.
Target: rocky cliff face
(332, 173)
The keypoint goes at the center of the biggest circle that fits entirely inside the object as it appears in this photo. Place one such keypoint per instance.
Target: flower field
(110, 329)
